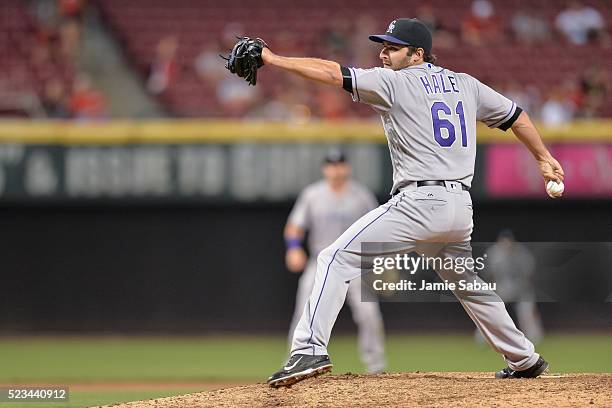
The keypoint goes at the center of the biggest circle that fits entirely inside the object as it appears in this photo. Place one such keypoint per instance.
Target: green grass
(95, 398)
(81, 399)
(89, 359)
(66, 361)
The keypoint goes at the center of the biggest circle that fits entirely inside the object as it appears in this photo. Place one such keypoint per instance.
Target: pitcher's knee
(344, 265)
(348, 259)
(325, 256)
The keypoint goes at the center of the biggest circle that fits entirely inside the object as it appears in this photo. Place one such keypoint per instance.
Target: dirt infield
(408, 390)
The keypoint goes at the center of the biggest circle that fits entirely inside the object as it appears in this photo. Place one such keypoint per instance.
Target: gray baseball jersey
(326, 215)
(429, 116)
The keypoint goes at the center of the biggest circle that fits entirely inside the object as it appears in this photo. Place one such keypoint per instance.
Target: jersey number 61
(444, 123)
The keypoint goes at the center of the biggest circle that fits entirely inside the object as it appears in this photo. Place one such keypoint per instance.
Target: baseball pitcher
(429, 116)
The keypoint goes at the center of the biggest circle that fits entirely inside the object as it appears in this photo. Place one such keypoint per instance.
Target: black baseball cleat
(532, 372)
(298, 368)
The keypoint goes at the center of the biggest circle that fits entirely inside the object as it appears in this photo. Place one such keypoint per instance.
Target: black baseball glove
(245, 58)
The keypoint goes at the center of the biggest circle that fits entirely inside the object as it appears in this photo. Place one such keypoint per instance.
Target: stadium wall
(130, 226)
(203, 161)
(205, 268)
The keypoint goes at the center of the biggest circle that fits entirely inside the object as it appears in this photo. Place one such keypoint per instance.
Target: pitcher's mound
(408, 390)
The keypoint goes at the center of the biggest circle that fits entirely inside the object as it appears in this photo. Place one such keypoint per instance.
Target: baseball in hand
(554, 189)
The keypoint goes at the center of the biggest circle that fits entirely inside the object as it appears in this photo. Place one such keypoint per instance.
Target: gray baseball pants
(366, 315)
(416, 216)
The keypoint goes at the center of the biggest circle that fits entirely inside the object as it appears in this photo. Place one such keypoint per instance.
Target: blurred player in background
(326, 209)
(512, 265)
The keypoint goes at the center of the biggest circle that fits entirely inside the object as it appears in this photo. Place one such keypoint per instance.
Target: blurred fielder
(429, 116)
(512, 267)
(326, 209)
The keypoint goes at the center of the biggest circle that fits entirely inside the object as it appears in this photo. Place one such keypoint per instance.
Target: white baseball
(554, 189)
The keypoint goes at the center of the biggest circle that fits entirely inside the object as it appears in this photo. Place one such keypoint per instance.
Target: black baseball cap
(335, 155)
(406, 31)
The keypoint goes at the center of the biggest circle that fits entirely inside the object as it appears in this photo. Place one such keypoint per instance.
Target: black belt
(431, 183)
(439, 183)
